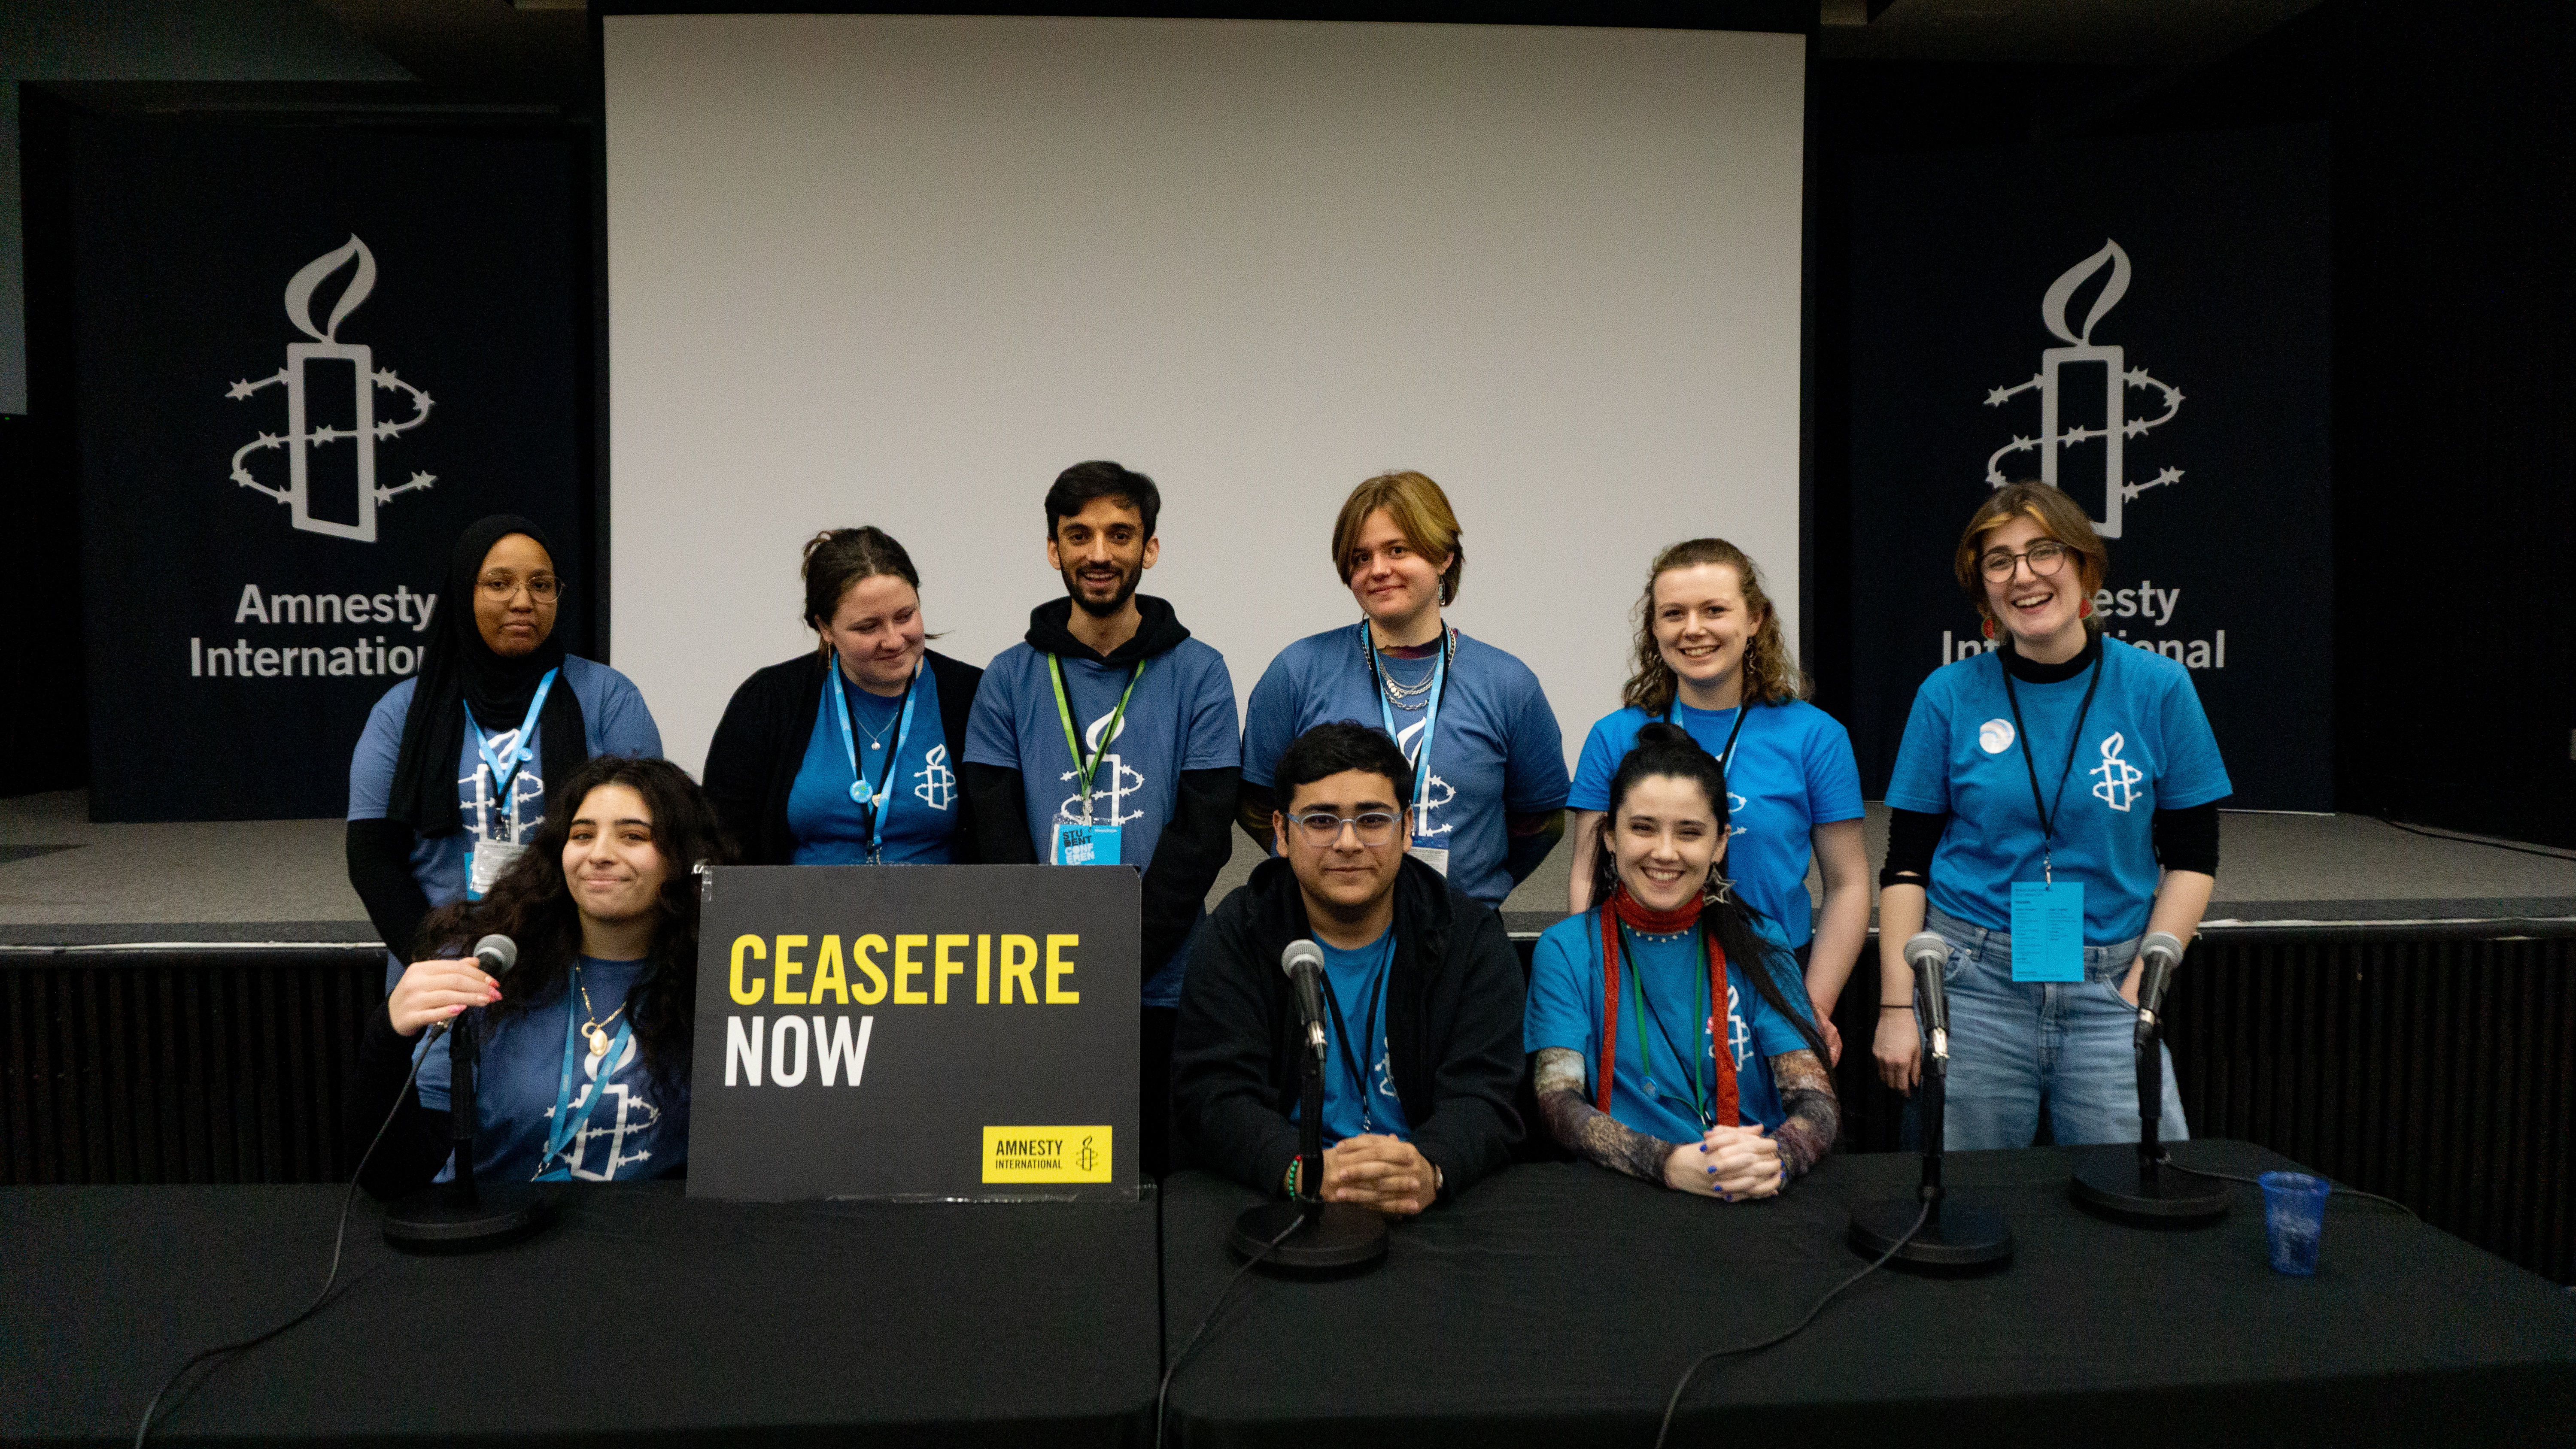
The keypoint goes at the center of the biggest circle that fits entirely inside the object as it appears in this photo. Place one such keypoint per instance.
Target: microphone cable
(1790, 1332)
(2332, 1189)
(338, 1239)
(1201, 1331)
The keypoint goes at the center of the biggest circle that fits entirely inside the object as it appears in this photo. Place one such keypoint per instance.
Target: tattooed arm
(1815, 1116)
(1597, 1136)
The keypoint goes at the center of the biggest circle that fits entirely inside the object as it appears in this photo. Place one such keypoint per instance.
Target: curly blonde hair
(1770, 673)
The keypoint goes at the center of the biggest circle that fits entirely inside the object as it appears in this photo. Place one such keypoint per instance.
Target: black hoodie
(1453, 1030)
(1195, 843)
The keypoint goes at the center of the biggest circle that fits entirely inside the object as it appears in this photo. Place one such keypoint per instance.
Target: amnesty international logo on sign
(868, 1032)
(1047, 1154)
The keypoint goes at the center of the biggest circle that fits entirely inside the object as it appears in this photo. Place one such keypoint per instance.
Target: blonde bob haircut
(2058, 517)
(1770, 674)
(1419, 510)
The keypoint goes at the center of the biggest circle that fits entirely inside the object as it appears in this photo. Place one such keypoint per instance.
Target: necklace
(876, 738)
(594, 1029)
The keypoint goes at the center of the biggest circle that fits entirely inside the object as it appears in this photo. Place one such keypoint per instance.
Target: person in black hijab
(450, 777)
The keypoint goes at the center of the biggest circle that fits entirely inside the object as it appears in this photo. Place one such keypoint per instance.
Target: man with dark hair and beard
(1107, 736)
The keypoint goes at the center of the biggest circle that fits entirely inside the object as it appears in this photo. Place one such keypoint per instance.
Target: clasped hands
(1379, 1172)
(1733, 1163)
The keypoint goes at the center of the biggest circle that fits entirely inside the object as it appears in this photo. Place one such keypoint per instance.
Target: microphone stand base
(2109, 1184)
(1336, 1236)
(1954, 1238)
(439, 1219)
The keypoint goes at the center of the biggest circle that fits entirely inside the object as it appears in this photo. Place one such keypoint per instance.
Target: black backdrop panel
(2170, 291)
(308, 356)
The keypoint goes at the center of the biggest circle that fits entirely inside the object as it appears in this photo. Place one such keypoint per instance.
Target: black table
(1557, 1304)
(641, 1315)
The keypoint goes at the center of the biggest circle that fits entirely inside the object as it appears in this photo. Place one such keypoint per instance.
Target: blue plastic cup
(2294, 1216)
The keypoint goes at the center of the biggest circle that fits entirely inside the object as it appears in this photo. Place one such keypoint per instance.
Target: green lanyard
(1646, 1043)
(1084, 769)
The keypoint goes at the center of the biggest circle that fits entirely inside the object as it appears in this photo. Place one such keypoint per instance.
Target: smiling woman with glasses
(2053, 801)
(1421, 989)
(457, 767)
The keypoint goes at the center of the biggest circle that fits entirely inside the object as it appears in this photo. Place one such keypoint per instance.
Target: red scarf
(1625, 908)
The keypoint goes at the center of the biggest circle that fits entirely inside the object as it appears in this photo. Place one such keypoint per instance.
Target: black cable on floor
(2435, 833)
(1199, 1332)
(1793, 1329)
(338, 1239)
(2332, 1190)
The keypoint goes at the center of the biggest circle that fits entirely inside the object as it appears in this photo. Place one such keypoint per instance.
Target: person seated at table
(1629, 1073)
(847, 754)
(584, 1041)
(1421, 988)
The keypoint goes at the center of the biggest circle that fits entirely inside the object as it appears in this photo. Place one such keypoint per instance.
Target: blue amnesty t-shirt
(1495, 750)
(1792, 771)
(921, 810)
(1181, 717)
(1358, 982)
(638, 1129)
(1565, 1011)
(2146, 745)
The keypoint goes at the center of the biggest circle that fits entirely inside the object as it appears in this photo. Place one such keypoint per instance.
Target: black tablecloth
(1556, 1304)
(640, 1315)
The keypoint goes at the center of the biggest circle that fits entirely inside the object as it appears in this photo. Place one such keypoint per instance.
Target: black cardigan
(1453, 1028)
(760, 745)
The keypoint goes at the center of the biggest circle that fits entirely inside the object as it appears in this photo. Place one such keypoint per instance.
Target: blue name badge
(1085, 844)
(2048, 931)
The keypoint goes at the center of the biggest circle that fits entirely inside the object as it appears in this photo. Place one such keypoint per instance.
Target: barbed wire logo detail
(302, 442)
(2117, 378)
(2119, 786)
(1087, 1156)
(938, 787)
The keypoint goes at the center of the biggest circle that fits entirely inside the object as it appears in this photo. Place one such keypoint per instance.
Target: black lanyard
(1725, 757)
(2047, 808)
(1376, 992)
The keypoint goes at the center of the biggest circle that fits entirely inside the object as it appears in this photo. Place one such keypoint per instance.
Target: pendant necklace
(592, 1028)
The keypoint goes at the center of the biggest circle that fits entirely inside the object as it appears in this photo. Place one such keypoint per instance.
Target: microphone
(1304, 963)
(2162, 953)
(495, 953)
(1927, 953)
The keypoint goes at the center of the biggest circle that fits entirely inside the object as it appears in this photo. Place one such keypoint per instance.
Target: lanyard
(1085, 769)
(567, 1126)
(1681, 1060)
(505, 773)
(860, 791)
(1725, 757)
(1375, 991)
(2047, 808)
(1430, 716)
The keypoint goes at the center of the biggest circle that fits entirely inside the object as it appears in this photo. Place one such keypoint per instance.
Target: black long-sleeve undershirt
(379, 854)
(1193, 847)
(2185, 839)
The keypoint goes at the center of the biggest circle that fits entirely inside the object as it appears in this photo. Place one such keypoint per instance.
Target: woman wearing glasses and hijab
(453, 773)
(2053, 801)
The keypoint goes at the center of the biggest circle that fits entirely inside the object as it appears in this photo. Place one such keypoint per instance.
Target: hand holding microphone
(434, 993)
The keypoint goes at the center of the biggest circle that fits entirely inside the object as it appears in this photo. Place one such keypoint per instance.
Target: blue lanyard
(567, 1126)
(1430, 715)
(505, 773)
(861, 792)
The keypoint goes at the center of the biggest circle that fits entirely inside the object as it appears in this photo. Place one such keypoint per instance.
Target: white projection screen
(902, 270)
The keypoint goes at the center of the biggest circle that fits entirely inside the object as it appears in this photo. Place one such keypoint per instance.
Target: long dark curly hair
(532, 905)
(1666, 750)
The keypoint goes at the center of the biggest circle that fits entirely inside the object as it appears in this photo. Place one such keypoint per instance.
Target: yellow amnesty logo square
(1046, 1154)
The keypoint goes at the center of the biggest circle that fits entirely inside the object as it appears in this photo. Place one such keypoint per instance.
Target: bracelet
(1896, 1006)
(1294, 1163)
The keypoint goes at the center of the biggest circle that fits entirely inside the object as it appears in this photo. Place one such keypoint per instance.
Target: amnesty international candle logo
(2064, 372)
(331, 391)
(1046, 1154)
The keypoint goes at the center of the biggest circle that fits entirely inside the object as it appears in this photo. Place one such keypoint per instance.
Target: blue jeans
(2017, 1044)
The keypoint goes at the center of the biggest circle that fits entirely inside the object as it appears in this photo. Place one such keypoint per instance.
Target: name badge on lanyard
(487, 859)
(1434, 856)
(1084, 842)
(2048, 914)
(872, 799)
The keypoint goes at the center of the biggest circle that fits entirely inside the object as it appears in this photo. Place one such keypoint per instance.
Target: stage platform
(65, 882)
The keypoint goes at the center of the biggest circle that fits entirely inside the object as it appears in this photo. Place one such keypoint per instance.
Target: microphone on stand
(1328, 1236)
(2135, 1189)
(1953, 1235)
(458, 1216)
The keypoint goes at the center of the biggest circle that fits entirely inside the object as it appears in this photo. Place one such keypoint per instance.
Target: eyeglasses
(541, 588)
(1323, 827)
(2045, 557)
